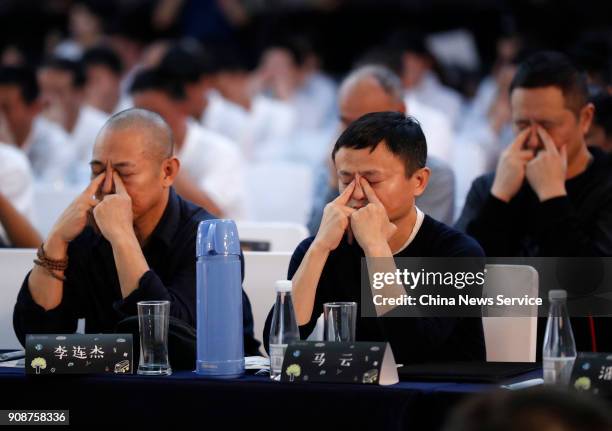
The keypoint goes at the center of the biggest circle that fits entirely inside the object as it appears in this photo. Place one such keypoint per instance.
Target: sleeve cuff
(150, 288)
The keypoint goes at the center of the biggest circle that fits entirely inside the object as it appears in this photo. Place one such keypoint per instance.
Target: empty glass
(153, 317)
(340, 319)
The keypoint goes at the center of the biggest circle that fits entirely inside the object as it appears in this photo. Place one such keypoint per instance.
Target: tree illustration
(39, 363)
(293, 371)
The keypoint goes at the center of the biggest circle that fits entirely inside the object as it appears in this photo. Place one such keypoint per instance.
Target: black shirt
(579, 224)
(92, 289)
(412, 339)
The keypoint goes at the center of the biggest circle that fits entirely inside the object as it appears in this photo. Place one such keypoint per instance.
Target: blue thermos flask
(219, 300)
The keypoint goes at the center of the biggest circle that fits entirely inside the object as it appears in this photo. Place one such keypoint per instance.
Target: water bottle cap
(217, 237)
(557, 294)
(284, 285)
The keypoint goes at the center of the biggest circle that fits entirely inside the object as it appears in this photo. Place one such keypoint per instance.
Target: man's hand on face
(113, 214)
(74, 218)
(511, 167)
(335, 220)
(546, 172)
(370, 224)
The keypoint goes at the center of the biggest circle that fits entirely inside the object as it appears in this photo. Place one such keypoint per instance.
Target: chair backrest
(511, 339)
(14, 266)
(49, 203)
(279, 191)
(262, 269)
(281, 237)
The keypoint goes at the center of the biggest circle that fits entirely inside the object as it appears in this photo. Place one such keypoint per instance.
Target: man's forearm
(306, 280)
(46, 290)
(129, 261)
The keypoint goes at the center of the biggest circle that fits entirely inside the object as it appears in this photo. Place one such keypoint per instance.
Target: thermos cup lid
(217, 237)
(284, 285)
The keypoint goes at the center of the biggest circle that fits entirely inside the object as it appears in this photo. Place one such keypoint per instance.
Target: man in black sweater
(380, 160)
(550, 195)
(127, 238)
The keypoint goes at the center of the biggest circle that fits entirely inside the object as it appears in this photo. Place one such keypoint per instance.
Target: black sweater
(579, 224)
(412, 339)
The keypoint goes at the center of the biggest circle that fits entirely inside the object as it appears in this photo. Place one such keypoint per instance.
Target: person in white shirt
(288, 72)
(261, 126)
(45, 143)
(103, 71)
(420, 79)
(16, 199)
(213, 168)
(62, 93)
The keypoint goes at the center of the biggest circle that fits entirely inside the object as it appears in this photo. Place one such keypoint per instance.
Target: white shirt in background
(262, 133)
(49, 150)
(214, 162)
(82, 140)
(432, 93)
(16, 182)
(315, 103)
(436, 126)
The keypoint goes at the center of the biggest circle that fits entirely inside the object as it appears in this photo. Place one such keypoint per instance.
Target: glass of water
(153, 318)
(339, 321)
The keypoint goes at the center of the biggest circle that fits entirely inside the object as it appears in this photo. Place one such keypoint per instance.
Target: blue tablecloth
(253, 401)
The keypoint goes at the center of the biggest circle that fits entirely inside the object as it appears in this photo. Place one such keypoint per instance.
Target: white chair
(511, 339)
(262, 269)
(279, 191)
(281, 237)
(49, 203)
(14, 265)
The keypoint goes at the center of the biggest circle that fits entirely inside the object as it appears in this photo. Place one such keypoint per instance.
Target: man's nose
(358, 194)
(533, 141)
(107, 185)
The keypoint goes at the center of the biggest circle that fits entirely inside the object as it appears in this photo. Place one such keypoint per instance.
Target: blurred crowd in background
(251, 89)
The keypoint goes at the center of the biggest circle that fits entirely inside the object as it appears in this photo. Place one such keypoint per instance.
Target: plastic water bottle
(220, 341)
(284, 327)
(559, 352)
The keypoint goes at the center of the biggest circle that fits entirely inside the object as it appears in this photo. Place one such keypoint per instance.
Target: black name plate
(321, 361)
(592, 372)
(79, 353)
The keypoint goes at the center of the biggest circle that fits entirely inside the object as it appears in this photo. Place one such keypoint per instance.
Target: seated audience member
(543, 408)
(600, 133)
(16, 194)
(374, 89)
(191, 67)
(127, 238)
(288, 71)
(44, 142)
(261, 126)
(62, 85)
(380, 161)
(213, 167)
(421, 82)
(551, 194)
(103, 72)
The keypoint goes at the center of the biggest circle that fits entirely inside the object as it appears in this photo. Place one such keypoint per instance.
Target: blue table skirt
(253, 401)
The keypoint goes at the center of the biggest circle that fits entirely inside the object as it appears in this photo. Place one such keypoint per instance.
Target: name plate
(360, 362)
(79, 354)
(592, 373)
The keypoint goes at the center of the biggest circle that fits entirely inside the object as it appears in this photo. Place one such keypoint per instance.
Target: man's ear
(586, 118)
(421, 179)
(170, 169)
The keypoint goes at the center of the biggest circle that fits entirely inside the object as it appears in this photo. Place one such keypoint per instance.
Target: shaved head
(159, 140)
